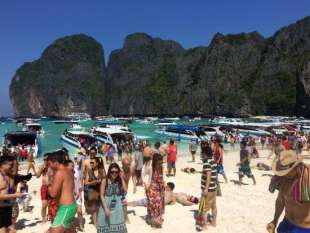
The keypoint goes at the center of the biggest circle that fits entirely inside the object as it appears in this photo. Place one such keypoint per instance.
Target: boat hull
(176, 135)
(70, 142)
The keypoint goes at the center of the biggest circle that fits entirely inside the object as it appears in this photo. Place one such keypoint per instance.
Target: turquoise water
(51, 139)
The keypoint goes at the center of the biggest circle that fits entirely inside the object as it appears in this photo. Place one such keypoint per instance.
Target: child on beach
(244, 164)
(24, 201)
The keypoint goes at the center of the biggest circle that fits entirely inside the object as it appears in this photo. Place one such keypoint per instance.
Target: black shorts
(138, 173)
(171, 165)
(5, 217)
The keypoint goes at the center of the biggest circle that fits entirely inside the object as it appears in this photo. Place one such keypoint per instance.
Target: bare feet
(213, 224)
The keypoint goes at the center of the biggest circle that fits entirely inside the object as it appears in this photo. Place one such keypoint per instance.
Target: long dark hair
(206, 149)
(156, 159)
(118, 180)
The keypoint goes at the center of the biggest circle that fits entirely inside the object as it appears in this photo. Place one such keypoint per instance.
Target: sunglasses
(114, 172)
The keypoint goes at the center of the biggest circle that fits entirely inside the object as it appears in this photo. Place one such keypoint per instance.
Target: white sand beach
(241, 209)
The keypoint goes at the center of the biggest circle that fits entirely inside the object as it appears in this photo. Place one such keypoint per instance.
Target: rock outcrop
(68, 77)
(238, 74)
(143, 76)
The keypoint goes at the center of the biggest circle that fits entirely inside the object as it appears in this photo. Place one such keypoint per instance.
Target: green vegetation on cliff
(238, 74)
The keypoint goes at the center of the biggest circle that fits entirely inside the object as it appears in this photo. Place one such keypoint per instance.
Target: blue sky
(27, 27)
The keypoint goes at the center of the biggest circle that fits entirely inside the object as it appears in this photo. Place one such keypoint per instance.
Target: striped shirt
(209, 165)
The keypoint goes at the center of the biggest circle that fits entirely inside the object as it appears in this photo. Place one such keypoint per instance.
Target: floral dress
(156, 199)
(115, 223)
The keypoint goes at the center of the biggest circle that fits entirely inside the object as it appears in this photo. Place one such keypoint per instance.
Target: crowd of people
(94, 184)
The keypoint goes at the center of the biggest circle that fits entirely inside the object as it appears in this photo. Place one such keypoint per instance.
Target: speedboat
(77, 138)
(178, 134)
(70, 122)
(76, 126)
(165, 123)
(144, 121)
(79, 116)
(112, 135)
(115, 127)
(23, 138)
(228, 121)
(211, 132)
(251, 131)
(278, 130)
(182, 132)
(172, 118)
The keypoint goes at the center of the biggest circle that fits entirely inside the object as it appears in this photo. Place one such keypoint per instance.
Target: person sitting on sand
(292, 181)
(185, 199)
(189, 170)
(23, 187)
(169, 197)
(263, 167)
(244, 164)
(181, 198)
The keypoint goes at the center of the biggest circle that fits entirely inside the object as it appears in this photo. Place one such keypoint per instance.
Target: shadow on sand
(237, 182)
(22, 223)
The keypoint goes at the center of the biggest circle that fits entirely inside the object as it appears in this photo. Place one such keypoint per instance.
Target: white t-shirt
(147, 173)
(77, 185)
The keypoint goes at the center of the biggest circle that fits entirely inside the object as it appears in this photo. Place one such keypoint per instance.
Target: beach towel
(200, 219)
(301, 188)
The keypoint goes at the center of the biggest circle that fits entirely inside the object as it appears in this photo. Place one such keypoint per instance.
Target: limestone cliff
(68, 77)
(235, 75)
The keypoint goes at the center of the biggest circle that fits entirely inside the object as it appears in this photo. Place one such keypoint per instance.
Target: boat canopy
(21, 137)
(34, 127)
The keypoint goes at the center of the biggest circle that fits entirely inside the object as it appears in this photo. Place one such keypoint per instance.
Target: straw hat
(285, 162)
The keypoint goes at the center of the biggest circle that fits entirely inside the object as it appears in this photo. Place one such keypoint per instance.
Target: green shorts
(65, 216)
(245, 170)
